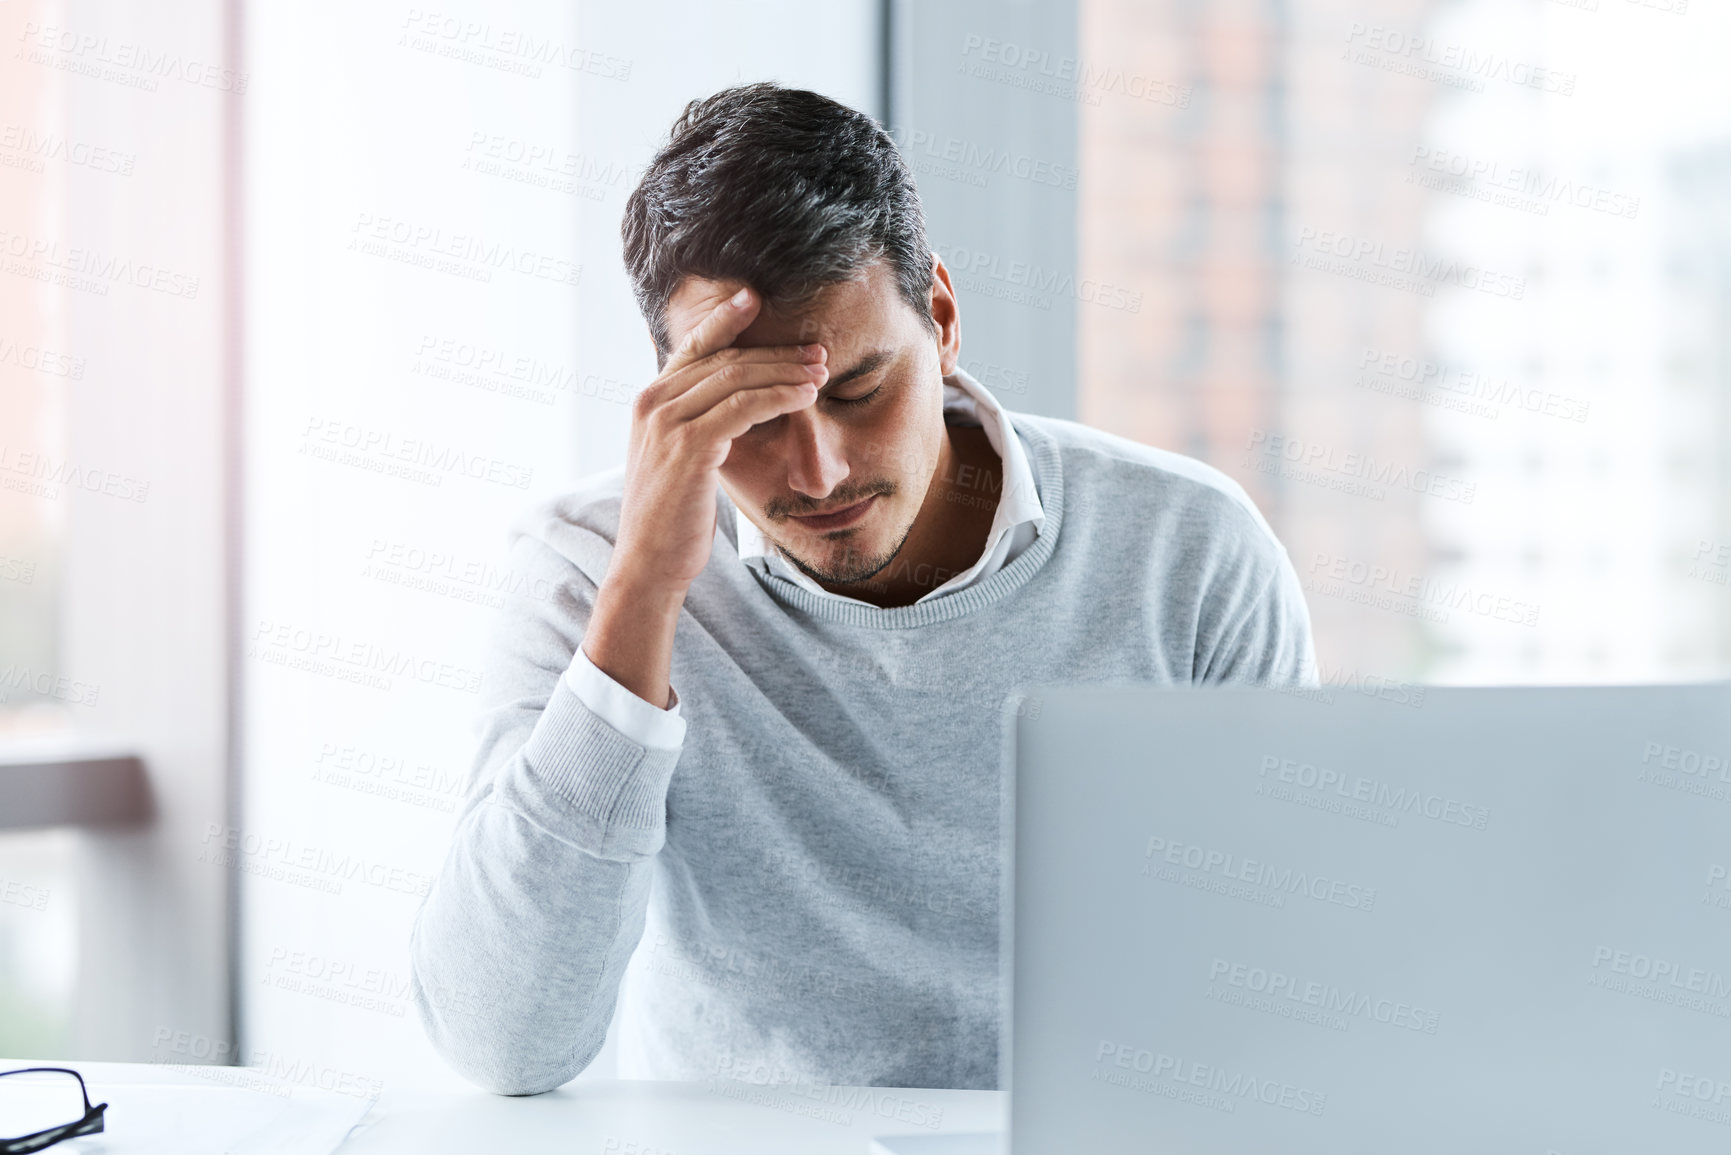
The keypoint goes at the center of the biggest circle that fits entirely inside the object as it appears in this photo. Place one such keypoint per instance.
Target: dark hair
(781, 188)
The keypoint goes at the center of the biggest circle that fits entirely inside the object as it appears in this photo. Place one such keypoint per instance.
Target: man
(751, 746)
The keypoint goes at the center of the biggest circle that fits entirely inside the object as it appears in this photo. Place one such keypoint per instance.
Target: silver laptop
(1246, 921)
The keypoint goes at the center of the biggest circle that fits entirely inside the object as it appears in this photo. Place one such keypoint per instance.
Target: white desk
(601, 1117)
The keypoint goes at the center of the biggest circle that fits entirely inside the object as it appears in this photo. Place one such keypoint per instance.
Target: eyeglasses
(40, 1095)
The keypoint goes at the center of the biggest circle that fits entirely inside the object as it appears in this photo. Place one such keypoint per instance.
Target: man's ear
(946, 315)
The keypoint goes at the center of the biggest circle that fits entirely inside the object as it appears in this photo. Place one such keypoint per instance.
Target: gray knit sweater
(808, 889)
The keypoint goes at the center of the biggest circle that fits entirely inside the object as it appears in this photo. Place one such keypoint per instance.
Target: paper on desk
(174, 1119)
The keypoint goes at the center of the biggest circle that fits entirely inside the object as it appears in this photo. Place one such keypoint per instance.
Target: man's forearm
(630, 635)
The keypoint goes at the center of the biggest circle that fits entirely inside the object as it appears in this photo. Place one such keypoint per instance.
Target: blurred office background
(301, 304)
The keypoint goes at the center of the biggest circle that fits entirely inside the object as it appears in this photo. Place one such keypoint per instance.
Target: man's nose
(812, 444)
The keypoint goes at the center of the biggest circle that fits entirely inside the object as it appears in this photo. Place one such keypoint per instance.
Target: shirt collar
(1018, 500)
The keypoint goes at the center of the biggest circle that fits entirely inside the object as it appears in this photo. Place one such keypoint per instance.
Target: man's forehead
(834, 313)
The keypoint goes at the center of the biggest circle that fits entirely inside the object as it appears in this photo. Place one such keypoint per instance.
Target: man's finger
(748, 407)
(716, 331)
(714, 389)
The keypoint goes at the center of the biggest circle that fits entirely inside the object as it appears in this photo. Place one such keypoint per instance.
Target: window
(1442, 285)
(113, 531)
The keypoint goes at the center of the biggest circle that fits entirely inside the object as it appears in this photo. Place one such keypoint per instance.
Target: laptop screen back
(1493, 920)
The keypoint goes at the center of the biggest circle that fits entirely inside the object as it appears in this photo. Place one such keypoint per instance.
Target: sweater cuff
(587, 783)
(623, 710)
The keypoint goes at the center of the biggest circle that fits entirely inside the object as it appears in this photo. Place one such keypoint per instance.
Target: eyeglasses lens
(37, 1100)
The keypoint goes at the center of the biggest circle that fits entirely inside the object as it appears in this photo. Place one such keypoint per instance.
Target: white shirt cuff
(623, 710)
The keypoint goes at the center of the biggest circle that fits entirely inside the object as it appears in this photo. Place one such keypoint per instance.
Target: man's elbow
(514, 1079)
(475, 1047)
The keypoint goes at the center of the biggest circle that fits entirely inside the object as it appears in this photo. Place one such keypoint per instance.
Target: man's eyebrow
(867, 364)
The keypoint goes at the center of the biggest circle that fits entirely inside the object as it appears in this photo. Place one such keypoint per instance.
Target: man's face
(876, 429)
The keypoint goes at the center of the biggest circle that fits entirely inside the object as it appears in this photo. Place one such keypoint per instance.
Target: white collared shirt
(1015, 524)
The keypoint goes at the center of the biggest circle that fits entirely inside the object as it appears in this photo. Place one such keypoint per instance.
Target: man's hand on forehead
(823, 318)
(683, 425)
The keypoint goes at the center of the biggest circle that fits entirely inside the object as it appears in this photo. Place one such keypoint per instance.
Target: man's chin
(842, 565)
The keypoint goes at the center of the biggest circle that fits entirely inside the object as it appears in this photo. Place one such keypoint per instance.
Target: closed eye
(858, 400)
(864, 367)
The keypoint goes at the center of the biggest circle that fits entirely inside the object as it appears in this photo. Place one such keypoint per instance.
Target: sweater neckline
(1006, 581)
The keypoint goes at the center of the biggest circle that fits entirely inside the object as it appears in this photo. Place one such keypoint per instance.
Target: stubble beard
(849, 565)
